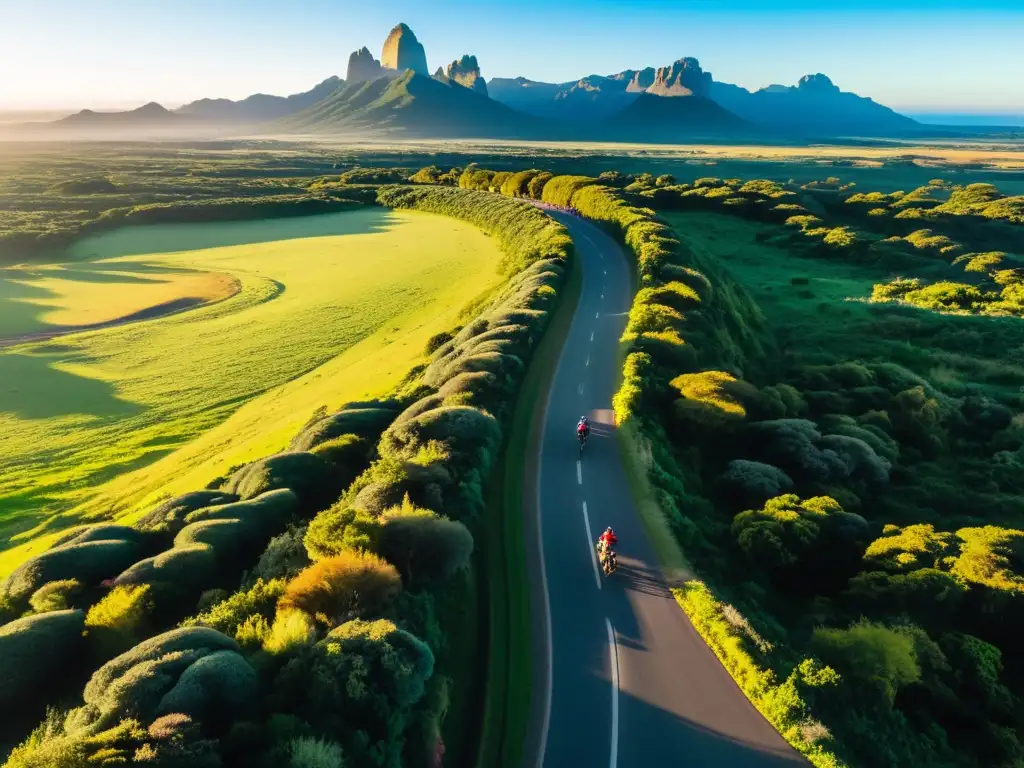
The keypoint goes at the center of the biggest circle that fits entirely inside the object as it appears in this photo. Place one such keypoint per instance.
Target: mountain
(362, 66)
(815, 106)
(681, 78)
(650, 117)
(148, 115)
(259, 107)
(412, 105)
(465, 72)
(672, 103)
(403, 51)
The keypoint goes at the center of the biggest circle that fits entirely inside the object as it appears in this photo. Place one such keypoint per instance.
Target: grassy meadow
(100, 421)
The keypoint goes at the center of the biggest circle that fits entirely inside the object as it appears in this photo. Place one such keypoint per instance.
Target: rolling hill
(259, 107)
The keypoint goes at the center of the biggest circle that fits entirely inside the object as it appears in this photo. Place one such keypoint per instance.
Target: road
(622, 677)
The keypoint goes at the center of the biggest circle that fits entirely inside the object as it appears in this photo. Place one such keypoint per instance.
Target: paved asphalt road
(628, 681)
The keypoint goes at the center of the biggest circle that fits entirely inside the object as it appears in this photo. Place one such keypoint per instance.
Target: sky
(933, 56)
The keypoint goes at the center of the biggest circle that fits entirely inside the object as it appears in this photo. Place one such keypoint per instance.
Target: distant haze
(917, 55)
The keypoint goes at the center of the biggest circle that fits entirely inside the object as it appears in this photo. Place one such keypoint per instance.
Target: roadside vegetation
(841, 465)
(313, 607)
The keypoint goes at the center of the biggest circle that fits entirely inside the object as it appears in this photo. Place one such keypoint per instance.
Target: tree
(804, 543)
(883, 658)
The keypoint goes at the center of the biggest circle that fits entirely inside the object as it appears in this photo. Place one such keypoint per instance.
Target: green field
(331, 309)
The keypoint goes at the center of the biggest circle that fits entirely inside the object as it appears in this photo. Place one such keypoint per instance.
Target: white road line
(581, 389)
(591, 545)
(579, 472)
(613, 650)
(591, 335)
(597, 315)
(606, 271)
(602, 295)
(588, 360)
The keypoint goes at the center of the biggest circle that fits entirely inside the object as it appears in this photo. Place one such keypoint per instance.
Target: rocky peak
(466, 72)
(403, 51)
(362, 66)
(641, 80)
(682, 78)
(818, 83)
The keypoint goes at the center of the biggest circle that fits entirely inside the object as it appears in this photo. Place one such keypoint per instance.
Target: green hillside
(414, 105)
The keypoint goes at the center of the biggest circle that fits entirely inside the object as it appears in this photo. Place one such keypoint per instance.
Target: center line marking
(591, 545)
(581, 389)
(579, 472)
(597, 315)
(613, 650)
(588, 360)
(591, 335)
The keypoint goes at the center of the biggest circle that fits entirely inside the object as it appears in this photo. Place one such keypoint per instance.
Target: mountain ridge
(397, 93)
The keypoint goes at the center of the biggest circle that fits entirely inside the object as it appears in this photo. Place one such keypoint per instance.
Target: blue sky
(916, 55)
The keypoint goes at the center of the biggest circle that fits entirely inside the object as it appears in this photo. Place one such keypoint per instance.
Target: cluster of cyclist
(605, 544)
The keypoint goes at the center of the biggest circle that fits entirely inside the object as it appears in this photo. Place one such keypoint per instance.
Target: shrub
(789, 536)
(170, 516)
(909, 548)
(988, 556)
(262, 515)
(105, 533)
(363, 678)
(364, 422)
(88, 563)
(292, 628)
(138, 679)
(560, 189)
(342, 527)
(35, 652)
(711, 400)
(180, 573)
(342, 587)
(393, 479)
(120, 619)
(55, 596)
(284, 556)
(471, 435)
(307, 475)
(226, 538)
(883, 658)
(423, 544)
(751, 482)
(216, 687)
(226, 616)
(308, 752)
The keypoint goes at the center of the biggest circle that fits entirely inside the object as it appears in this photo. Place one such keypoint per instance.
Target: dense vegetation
(847, 478)
(857, 529)
(323, 596)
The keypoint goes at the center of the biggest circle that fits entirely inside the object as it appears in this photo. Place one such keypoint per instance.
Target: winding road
(621, 676)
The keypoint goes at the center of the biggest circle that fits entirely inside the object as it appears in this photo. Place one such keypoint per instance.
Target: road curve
(622, 678)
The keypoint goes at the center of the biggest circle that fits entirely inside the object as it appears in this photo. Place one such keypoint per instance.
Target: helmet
(608, 529)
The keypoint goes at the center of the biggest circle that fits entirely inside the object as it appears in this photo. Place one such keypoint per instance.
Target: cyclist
(583, 429)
